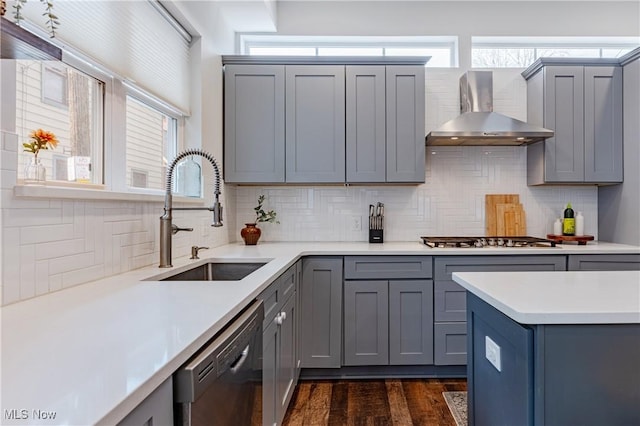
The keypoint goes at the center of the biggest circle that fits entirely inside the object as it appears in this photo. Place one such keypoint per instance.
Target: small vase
(35, 173)
(250, 234)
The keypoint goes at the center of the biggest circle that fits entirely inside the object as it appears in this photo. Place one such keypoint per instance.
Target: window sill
(93, 192)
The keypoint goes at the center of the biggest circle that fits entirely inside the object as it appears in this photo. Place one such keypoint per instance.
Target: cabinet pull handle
(284, 315)
(278, 319)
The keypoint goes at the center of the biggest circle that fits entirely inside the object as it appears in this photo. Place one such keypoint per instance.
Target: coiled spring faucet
(167, 229)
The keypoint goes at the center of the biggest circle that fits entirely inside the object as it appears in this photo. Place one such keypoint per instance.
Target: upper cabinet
(582, 103)
(314, 123)
(254, 123)
(324, 120)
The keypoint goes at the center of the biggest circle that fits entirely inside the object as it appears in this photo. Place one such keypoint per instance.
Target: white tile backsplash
(52, 244)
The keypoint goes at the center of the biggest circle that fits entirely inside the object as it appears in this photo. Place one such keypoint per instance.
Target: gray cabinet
(254, 124)
(385, 123)
(450, 303)
(388, 320)
(405, 124)
(321, 325)
(366, 123)
(410, 322)
(324, 120)
(582, 104)
(551, 374)
(156, 409)
(604, 262)
(315, 123)
(279, 346)
(366, 323)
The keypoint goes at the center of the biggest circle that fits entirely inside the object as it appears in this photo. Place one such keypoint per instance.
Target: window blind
(131, 38)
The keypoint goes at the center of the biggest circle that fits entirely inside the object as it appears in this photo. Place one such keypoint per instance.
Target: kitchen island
(553, 348)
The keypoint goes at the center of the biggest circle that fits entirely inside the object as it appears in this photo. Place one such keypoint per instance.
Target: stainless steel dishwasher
(222, 384)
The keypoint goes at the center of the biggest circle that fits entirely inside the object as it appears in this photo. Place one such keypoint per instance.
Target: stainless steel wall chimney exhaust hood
(477, 124)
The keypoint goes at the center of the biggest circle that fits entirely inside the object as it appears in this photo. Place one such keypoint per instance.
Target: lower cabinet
(604, 262)
(279, 347)
(551, 374)
(156, 409)
(450, 306)
(388, 322)
(321, 308)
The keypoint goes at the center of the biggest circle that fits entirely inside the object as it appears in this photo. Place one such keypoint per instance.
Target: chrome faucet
(167, 229)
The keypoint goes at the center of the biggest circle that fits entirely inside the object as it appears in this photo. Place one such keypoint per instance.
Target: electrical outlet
(492, 352)
(356, 223)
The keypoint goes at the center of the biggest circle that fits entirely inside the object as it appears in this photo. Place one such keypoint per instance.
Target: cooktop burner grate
(480, 242)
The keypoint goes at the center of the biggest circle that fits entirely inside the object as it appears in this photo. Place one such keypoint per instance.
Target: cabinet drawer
(450, 343)
(445, 266)
(274, 296)
(604, 262)
(387, 267)
(449, 301)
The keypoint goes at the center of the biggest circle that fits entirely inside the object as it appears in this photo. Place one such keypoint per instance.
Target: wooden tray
(582, 239)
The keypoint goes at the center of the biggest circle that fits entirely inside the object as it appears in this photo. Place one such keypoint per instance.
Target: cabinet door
(270, 374)
(298, 318)
(254, 123)
(564, 114)
(321, 325)
(286, 357)
(411, 322)
(603, 124)
(365, 138)
(405, 124)
(366, 323)
(315, 124)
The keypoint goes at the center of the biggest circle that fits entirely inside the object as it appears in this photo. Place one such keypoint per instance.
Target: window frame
(112, 121)
(175, 132)
(540, 43)
(246, 41)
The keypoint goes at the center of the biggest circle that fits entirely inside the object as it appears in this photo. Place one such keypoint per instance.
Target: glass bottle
(569, 221)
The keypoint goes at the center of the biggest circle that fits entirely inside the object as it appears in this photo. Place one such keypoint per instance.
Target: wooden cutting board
(491, 213)
(510, 220)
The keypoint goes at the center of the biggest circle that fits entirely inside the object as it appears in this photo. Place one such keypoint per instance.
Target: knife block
(376, 235)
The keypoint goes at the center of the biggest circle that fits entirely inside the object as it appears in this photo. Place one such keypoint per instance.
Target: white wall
(450, 202)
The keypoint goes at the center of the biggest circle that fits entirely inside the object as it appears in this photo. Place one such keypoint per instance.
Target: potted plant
(35, 172)
(251, 233)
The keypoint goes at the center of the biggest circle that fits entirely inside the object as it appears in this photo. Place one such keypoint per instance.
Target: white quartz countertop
(573, 297)
(92, 353)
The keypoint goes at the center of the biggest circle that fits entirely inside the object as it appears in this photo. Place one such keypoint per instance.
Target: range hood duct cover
(477, 124)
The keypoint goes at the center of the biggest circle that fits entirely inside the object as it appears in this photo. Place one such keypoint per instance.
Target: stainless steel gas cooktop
(482, 242)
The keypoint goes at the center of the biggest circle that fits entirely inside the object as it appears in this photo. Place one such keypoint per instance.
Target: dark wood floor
(372, 402)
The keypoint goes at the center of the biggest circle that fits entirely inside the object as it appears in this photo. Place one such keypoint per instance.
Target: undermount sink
(216, 271)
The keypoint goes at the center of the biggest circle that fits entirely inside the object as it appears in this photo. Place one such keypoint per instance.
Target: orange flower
(40, 139)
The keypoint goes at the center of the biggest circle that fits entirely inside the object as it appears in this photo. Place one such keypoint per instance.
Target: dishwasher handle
(237, 365)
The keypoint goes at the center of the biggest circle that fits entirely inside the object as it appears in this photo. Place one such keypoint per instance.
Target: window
(116, 102)
(443, 50)
(54, 85)
(152, 142)
(68, 102)
(520, 52)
